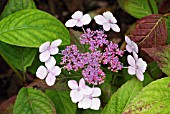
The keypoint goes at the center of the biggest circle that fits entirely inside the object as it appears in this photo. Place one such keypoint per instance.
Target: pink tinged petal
(115, 27)
(127, 40)
(131, 60)
(72, 84)
(54, 50)
(86, 19)
(140, 75)
(76, 96)
(85, 103)
(56, 70)
(44, 56)
(50, 79)
(135, 46)
(71, 23)
(56, 43)
(81, 83)
(77, 15)
(135, 56)
(131, 70)
(44, 47)
(109, 16)
(86, 90)
(141, 65)
(129, 48)
(50, 63)
(96, 92)
(95, 105)
(79, 23)
(106, 26)
(41, 72)
(99, 19)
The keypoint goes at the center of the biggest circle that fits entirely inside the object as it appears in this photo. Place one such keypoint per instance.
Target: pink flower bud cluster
(102, 52)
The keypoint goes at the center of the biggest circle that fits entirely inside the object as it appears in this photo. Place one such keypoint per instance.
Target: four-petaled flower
(78, 19)
(91, 101)
(78, 91)
(137, 66)
(50, 71)
(131, 45)
(46, 49)
(108, 21)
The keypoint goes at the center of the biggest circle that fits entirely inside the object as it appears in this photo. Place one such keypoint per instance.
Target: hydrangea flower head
(78, 19)
(108, 21)
(137, 66)
(78, 90)
(91, 101)
(46, 49)
(131, 45)
(49, 72)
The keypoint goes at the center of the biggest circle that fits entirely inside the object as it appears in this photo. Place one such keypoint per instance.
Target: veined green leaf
(120, 100)
(31, 28)
(153, 99)
(32, 101)
(17, 5)
(136, 8)
(62, 101)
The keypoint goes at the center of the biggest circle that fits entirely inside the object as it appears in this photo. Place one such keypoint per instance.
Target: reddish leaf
(161, 55)
(164, 7)
(150, 31)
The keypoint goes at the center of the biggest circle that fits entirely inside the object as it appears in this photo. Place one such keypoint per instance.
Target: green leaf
(106, 91)
(153, 6)
(154, 70)
(89, 111)
(136, 8)
(119, 100)
(153, 99)
(32, 101)
(17, 5)
(19, 57)
(62, 101)
(31, 28)
(168, 28)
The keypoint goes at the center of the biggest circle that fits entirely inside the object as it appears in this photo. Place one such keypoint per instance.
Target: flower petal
(86, 19)
(141, 65)
(95, 105)
(50, 63)
(50, 79)
(140, 75)
(99, 19)
(77, 15)
(85, 103)
(81, 83)
(106, 26)
(135, 55)
(72, 84)
(41, 72)
(109, 16)
(44, 56)
(96, 92)
(131, 70)
(79, 23)
(129, 48)
(54, 50)
(127, 40)
(131, 60)
(76, 96)
(115, 27)
(56, 43)
(56, 70)
(135, 46)
(86, 90)
(71, 23)
(44, 47)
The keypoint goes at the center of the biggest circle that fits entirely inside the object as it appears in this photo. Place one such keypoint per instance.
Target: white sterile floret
(49, 72)
(108, 21)
(91, 101)
(131, 46)
(137, 66)
(46, 49)
(78, 91)
(78, 19)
